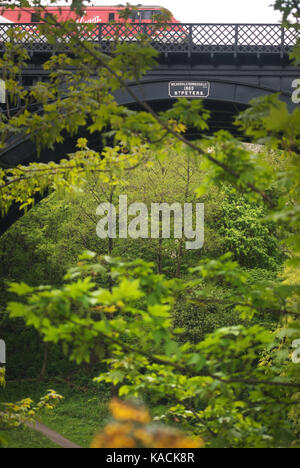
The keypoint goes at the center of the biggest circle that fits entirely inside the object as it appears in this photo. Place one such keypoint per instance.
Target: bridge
(173, 38)
(227, 65)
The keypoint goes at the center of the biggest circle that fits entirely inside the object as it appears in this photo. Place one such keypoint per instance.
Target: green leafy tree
(253, 241)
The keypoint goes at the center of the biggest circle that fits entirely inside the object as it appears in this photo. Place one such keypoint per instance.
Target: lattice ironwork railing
(186, 38)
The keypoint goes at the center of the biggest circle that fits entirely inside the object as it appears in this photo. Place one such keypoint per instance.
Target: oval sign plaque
(189, 89)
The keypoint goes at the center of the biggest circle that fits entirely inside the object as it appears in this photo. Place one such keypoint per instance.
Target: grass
(27, 438)
(78, 417)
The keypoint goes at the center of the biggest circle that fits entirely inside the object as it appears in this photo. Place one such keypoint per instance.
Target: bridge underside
(22, 150)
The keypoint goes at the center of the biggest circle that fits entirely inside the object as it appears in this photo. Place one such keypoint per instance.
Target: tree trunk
(179, 258)
(45, 361)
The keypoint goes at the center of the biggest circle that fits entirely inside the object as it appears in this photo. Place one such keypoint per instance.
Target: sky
(210, 11)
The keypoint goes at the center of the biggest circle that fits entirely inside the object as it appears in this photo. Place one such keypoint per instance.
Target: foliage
(2, 376)
(248, 235)
(18, 414)
(53, 234)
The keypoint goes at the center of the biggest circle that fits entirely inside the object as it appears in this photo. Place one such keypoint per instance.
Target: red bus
(95, 14)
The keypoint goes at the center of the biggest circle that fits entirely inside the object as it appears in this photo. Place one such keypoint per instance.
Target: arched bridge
(227, 65)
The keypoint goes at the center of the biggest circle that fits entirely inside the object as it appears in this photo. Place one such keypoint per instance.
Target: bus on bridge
(93, 14)
(150, 17)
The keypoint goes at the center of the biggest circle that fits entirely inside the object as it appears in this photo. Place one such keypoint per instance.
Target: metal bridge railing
(173, 38)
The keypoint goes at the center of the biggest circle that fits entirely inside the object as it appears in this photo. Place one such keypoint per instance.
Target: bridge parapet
(173, 38)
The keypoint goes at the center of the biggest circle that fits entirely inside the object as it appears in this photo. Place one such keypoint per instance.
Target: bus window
(35, 18)
(135, 15)
(111, 17)
(146, 14)
(48, 15)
